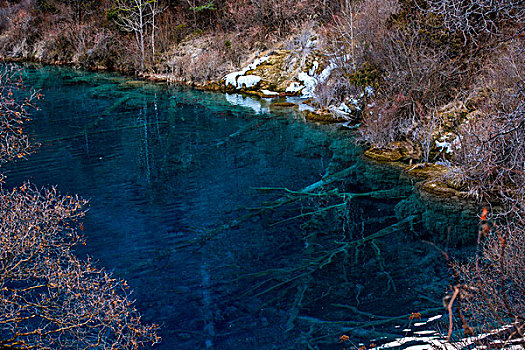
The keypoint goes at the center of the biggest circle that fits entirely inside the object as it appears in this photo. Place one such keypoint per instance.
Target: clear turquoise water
(165, 166)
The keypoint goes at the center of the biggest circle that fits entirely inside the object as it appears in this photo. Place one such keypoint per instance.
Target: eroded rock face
(275, 71)
(455, 230)
(281, 72)
(438, 188)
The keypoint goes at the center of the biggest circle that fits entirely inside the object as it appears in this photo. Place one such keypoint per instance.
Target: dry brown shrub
(357, 31)
(408, 56)
(492, 141)
(491, 302)
(14, 113)
(48, 298)
(382, 123)
(478, 19)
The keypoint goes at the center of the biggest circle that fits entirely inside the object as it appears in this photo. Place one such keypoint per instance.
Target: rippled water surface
(174, 179)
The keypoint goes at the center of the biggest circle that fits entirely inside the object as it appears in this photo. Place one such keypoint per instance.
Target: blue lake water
(167, 170)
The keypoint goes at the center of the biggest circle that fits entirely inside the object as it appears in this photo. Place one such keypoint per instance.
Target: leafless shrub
(476, 18)
(491, 289)
(20, 34)
(381, 122)
(172, 28)
(48, 298)
(240, 15)
(425, 134)
(492, 159)
(492, 142)
(84, 44)
(4, 14)
(273, 17)
(333, 90)
(411, 60)
(9, 11)
(204, 66)
(358, 30)
(14, 112)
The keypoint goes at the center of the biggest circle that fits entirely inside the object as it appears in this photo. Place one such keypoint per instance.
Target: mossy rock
(456, 181)
(278, 57)
(263, 95)
(396, 151)
(282, 107)
(384, 154)
(453, 114)
(209, 86)
(284, 104)
(273, 72)
(136, 82)
(324, 116)
(157, 78)
(439, 188)
(427, 171)
(252, 92)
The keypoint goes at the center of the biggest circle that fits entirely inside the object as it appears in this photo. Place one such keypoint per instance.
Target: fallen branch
(449, 308)
(315, 320)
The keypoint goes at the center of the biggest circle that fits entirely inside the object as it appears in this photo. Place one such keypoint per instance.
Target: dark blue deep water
(169, 170)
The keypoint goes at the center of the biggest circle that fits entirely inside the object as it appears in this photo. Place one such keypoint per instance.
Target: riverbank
(330, 77)
(435, 181)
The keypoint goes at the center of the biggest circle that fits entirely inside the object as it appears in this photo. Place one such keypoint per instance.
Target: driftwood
(296, 280)
(304, 271)
(291, 196)
(358, 328)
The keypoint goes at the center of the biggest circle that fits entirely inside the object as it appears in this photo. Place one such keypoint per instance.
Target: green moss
(197, 32)
(181, 26)
(284, 104)
(367, 75)
(46, 6)
(384, 154)
(426, 171)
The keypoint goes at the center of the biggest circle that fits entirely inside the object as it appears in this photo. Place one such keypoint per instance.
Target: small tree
(135, 16)
(490, 296)
(49, 299)
(197, 6)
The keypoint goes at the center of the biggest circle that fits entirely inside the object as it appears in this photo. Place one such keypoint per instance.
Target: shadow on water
(169, 170)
